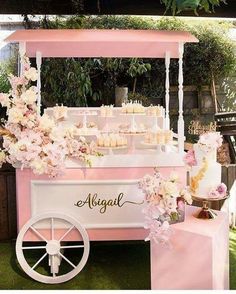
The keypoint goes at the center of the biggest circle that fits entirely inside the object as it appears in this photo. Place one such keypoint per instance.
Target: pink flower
(219, 191)
(211, 140)
(222, 189)
(190, 158)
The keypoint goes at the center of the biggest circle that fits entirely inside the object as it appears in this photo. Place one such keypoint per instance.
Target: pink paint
(94, 234)
(24, 178)
(101, 43)
(199, 258)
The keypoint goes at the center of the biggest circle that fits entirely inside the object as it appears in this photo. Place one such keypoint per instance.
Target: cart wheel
(52, 247)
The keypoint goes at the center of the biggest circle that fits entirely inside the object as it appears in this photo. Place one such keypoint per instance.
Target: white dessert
(89, 125)
(106, 110)
(60, 113)
(132, 107)
(206, 175)
(158, 111)
(111, 140)
(161, 137)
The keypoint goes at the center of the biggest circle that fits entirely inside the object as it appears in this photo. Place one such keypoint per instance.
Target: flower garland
(164, 203)
(34, 141)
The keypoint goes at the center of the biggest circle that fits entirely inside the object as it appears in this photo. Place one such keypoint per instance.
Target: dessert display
(136, 129)
(158, 111)
(132, 107)
(205, 173)
(111, 141)
(89, 125)
(60, 112)
(106, 110)
(160, 137)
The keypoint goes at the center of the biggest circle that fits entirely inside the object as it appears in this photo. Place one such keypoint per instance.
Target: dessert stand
(106, 127)
(206, 212)
(69, 208)
(111, 149)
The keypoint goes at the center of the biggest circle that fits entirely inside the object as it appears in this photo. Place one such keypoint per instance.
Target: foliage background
(81, 82)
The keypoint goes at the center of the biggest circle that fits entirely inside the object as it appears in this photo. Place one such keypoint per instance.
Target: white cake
(206, 175)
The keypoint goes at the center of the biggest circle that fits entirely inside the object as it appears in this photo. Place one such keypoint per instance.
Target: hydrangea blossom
(34, 141)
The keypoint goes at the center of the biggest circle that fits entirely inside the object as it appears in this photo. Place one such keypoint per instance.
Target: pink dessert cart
(102, 202)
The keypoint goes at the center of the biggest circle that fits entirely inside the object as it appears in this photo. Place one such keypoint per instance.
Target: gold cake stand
(206, 212)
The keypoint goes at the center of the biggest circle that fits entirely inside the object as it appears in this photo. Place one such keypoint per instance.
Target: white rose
(29, 96)
(187, 196)
(4, 100)
(171, 188)
(31, 74)
(39, 166)
(15, 115)
(45, 123)
(174, 176)
(56, 134)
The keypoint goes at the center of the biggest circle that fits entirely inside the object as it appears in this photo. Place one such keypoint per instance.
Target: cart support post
(22, 51)
(39, 63)
(181, 137)
(167, 90)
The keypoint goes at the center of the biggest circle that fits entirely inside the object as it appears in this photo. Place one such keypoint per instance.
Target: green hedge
(80, 82)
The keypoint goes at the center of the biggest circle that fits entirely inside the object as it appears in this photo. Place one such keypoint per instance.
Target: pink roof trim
(100, 35)
(101, 43)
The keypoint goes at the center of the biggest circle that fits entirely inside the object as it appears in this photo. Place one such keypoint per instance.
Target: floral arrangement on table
(208, 143)
(34, 141)
(165, 199)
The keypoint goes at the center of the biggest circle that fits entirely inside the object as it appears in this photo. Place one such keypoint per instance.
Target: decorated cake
(111, 140)
(158, 111)
(205, 173)
(161, 137)
(106, 110)
(132, 107)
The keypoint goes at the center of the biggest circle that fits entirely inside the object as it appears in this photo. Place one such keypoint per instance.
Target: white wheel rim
(51, 249)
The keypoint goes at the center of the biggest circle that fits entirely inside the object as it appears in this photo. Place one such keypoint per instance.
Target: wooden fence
(7, 203)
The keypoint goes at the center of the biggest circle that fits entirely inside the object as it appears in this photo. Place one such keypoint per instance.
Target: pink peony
(190, 159)
(222, 189)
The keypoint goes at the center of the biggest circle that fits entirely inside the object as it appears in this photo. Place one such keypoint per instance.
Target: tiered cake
(205, 174)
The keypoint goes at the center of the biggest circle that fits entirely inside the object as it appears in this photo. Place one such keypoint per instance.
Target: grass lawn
(111, 265)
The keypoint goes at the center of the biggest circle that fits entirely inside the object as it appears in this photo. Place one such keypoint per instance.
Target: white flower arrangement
(34, 141)
(165, 200)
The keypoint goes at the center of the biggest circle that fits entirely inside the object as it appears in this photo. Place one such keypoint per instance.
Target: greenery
(176, 6)
(132, 256)
(103, 270)
(139, 97)
(6, 67)
(210, 60)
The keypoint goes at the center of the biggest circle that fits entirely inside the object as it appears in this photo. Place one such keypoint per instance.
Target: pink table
(199, 258)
